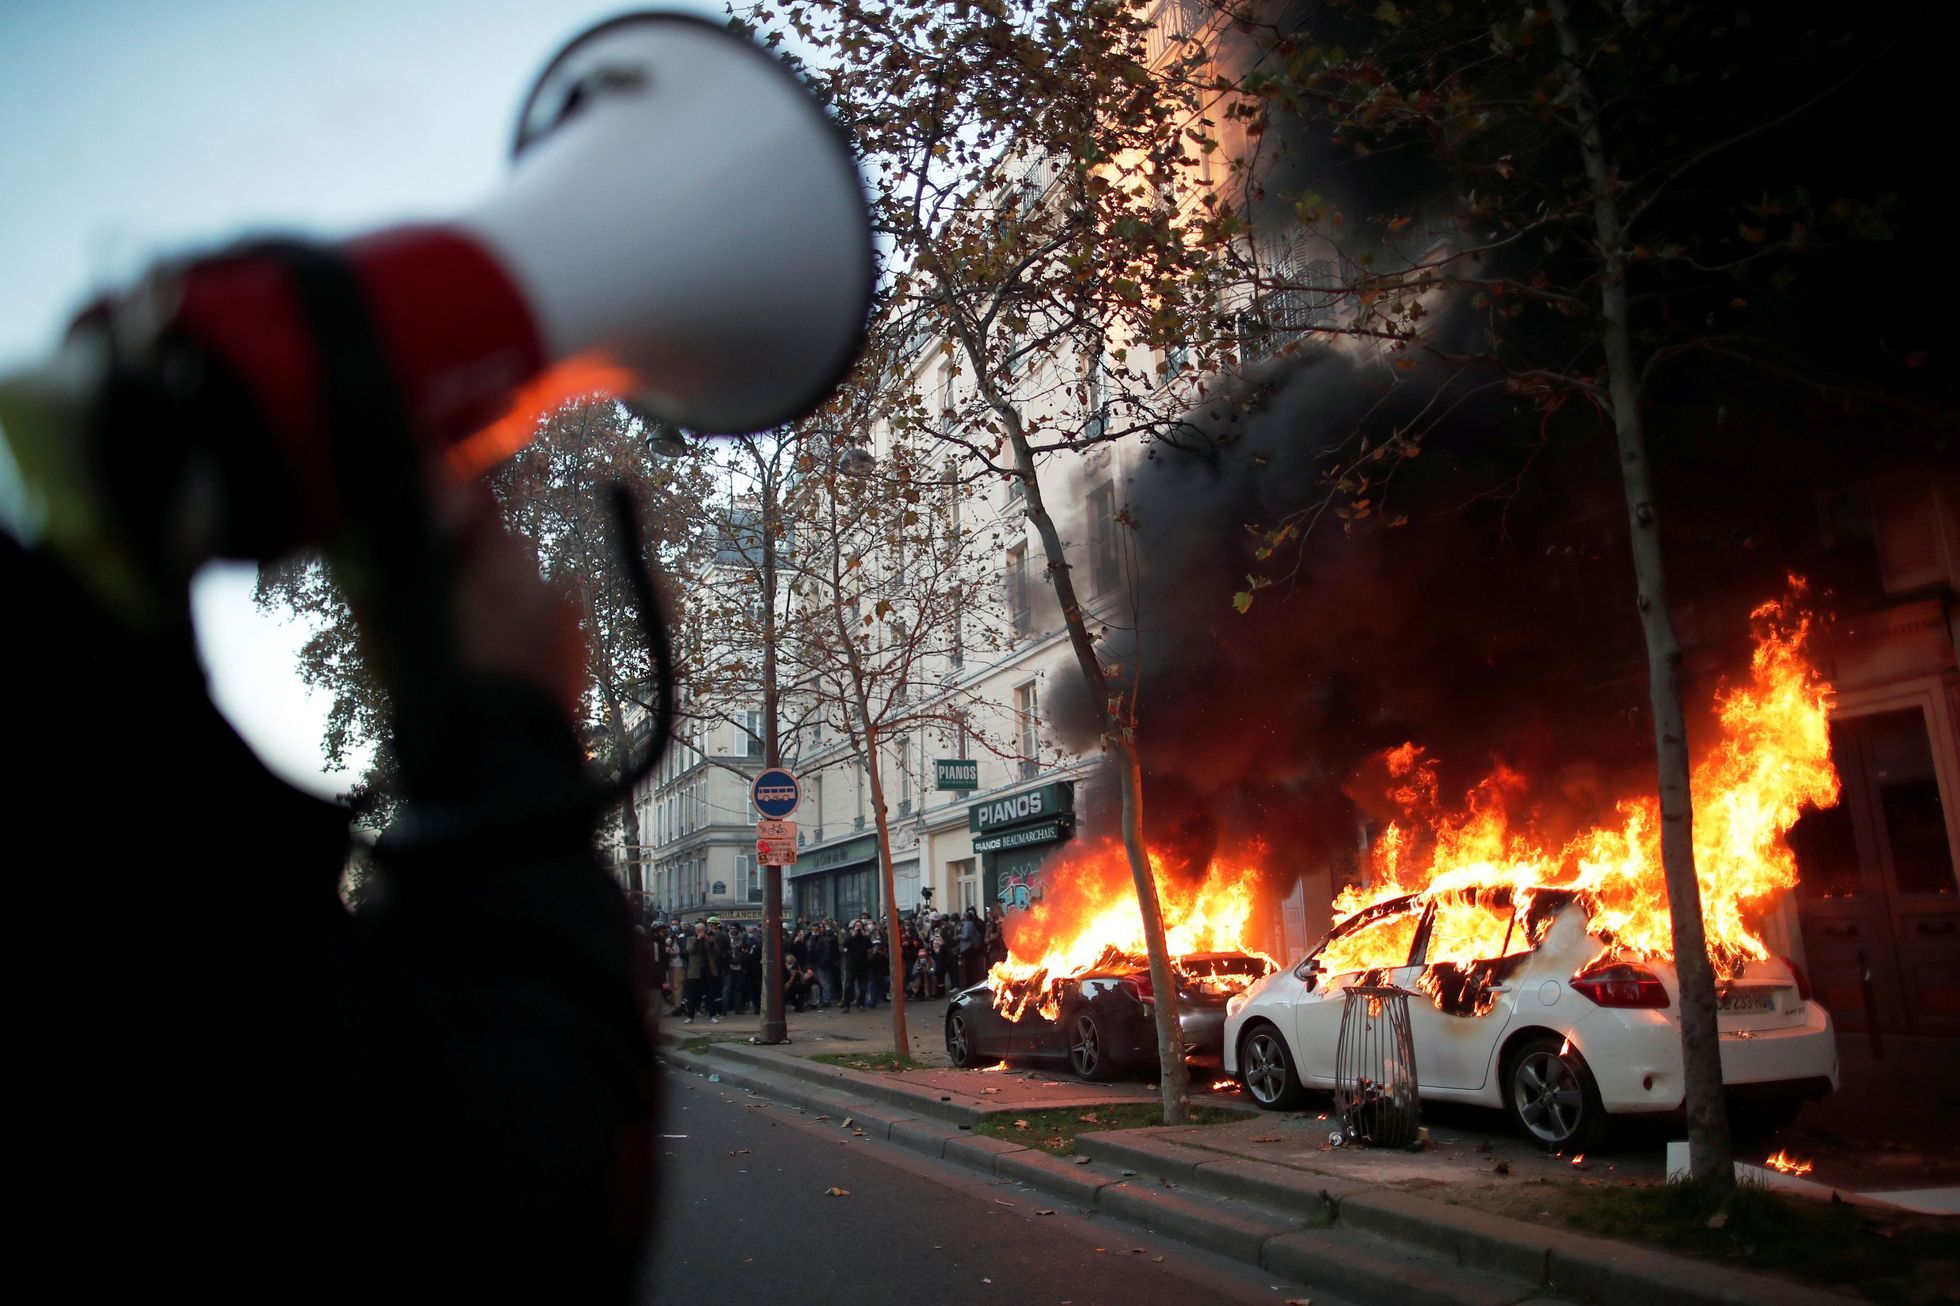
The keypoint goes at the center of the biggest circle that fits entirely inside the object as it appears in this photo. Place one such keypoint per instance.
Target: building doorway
(1876, 896)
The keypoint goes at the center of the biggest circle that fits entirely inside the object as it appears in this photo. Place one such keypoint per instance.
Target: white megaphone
(682, 208)
(683, 228)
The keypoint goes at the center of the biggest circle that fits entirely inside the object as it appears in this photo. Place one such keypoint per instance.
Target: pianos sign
(956, 773)
(1045, 803)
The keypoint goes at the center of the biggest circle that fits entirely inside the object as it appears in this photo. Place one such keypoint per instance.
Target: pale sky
(131, 130)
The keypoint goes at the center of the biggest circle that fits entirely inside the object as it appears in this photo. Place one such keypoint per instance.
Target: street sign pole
(775, 1024)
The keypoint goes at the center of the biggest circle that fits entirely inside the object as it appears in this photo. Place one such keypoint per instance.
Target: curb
(1350, 1238)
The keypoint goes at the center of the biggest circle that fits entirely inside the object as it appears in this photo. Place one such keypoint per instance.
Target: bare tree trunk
(901, 1045)
(629, 812)
(1713, 1163)
(1173, 1079)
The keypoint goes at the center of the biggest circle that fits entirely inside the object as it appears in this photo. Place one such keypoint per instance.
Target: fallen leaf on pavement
(1054, 1142)
(1299, 1301)
(990, 1090)
(836, 1192)
(857, 1133)
(1020, 1124)
(1044, 1212)
(848, 1122)
(1082, 1160)
(1267, 1138)
(1001, 1201)
(1157, 1259)
(1502, 1167)
(1091, 1119)
(823, 1117)
(740, 1151)
(1136, 1251)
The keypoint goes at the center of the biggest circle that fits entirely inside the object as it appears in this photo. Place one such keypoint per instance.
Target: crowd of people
(712, 968)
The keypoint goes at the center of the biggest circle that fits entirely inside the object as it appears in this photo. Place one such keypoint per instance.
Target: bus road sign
(776, 793)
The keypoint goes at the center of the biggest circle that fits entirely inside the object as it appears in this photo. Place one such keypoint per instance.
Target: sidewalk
(813, 1032)
(1268, 1190)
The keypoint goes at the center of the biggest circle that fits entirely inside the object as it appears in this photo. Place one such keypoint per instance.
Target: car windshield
(1371, 942)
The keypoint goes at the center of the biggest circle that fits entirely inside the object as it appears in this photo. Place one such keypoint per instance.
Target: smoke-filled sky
(133, 130)
(1497, 626)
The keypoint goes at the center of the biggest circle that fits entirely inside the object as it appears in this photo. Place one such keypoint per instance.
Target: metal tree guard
(1375, 1068)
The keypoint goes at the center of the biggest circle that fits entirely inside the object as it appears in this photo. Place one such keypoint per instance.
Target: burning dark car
(1100, 1020)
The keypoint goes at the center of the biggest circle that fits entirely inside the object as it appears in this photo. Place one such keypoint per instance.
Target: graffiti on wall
(1019, 893)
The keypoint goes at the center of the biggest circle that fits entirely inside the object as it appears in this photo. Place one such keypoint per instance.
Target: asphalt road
(744, 1215)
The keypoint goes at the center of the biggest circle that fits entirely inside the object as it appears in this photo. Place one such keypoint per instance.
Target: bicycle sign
(775, 793)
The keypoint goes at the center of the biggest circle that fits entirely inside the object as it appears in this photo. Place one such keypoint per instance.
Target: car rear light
(1621, 985)
(1803, 980)
(1139, 987)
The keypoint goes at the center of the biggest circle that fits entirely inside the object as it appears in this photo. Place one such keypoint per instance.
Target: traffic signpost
(775, 842)
(776, 793)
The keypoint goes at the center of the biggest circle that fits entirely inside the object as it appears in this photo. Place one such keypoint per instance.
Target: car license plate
(1748, 1002)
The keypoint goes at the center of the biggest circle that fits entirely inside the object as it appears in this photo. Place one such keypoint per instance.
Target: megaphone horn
(683, 227)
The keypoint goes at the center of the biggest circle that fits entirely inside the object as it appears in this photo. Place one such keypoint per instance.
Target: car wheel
(1266, 1070)
(962, 1046)
(1088, 1051)
(1552, 1095)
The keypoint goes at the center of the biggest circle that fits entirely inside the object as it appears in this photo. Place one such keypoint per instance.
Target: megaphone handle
(388, 553)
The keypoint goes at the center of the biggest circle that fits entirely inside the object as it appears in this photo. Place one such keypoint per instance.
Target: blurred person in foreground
(240, 1089)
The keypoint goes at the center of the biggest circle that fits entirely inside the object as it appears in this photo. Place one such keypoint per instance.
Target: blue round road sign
(775, 793)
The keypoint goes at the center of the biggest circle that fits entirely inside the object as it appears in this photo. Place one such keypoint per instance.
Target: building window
(1102, 538)
(1027, 714)
(903, 752)
(748, 876)
(1019, 609)
(966, 884)
(752, 728)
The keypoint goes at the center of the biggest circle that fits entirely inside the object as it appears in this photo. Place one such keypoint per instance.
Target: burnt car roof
(1141, 966)
(1546, 902)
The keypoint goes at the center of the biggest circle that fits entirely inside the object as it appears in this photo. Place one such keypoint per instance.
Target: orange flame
(1788, 1164)
(1769, 762)
(1087, 916)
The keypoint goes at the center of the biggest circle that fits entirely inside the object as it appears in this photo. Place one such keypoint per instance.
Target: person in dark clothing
(825, 956)
(445, 1095)
(752, 969)
(972, 942)
(946, 954)
(734, 984)
(878, 972)
(798, 981)
(857, 962)
(996, 945)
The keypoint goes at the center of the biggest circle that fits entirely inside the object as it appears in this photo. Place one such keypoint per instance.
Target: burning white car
(1556, 1029)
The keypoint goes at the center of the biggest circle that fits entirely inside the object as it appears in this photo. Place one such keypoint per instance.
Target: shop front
(838, 880)
(1016, 837)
